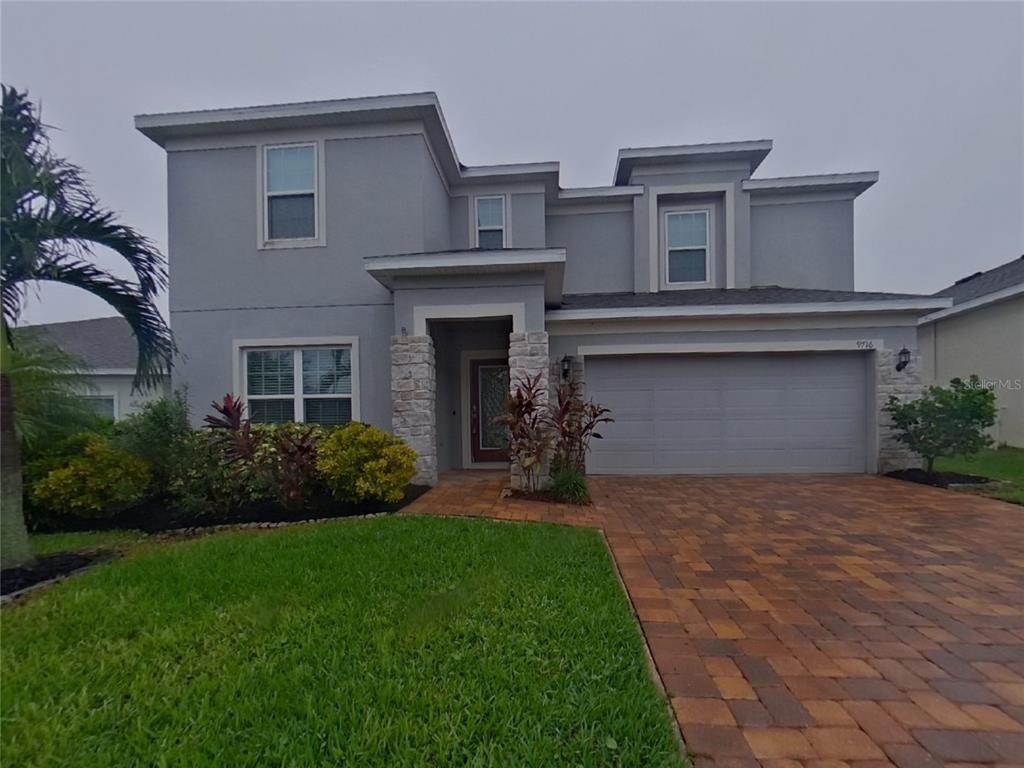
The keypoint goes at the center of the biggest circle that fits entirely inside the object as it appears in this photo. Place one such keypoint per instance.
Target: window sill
(278, 245)
(686, 286)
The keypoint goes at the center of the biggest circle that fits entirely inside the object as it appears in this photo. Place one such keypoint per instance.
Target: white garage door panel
(716, 414)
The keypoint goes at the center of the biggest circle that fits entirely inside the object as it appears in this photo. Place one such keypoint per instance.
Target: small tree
(945, 421)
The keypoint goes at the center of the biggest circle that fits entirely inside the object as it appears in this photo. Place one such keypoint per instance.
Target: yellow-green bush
(363, 463)
(100, 483)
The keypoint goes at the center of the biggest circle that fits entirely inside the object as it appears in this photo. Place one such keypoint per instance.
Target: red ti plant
(232, 429)
(530, 436)
(294, 466)
(575, 422)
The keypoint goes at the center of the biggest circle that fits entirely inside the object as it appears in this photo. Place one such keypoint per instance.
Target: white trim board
(978, 303)
(464, 385)
(239, 345)
(725, 348)
(422, 313)
(733, 310)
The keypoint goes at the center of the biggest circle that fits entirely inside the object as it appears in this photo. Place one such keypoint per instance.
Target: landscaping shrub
(945, 421)
(362, 463)
(100, 483)
(286, 455)
(569, 486)
(157, 434)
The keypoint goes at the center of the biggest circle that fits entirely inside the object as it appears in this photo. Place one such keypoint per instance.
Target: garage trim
(717, 347)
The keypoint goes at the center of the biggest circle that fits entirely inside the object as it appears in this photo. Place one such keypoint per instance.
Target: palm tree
(49, 224)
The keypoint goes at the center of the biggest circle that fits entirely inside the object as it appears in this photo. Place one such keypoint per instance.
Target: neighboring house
(982, 333)
(335, 260)
(107, 349)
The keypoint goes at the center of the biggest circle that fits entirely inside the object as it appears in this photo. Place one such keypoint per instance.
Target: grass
(396, 641)
(51, 543)
(1005, 464)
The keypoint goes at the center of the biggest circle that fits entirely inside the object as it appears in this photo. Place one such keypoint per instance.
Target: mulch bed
(937, 479)
(48, 568)
(155, 516)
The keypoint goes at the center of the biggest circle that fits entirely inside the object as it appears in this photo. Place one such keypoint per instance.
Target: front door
(488, 389)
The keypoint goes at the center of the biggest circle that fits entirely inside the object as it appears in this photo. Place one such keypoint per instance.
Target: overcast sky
(929, 94)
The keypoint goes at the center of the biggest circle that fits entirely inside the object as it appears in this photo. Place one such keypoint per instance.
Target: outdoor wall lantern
(566, 367)
(902, 359)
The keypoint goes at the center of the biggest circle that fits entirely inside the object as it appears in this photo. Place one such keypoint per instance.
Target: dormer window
(687, 247)
(291, 195)
(490, 222)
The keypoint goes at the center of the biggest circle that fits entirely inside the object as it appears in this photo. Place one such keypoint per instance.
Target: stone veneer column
(905, 385)
(528, 356)
(413, 388)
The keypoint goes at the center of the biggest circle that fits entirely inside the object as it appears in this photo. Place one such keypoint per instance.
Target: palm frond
(48, 386)
(51, 223)
(155, 344)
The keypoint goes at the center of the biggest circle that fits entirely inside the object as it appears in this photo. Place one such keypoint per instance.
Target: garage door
(716, 414)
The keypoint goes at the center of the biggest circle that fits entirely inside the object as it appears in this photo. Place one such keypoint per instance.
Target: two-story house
(335, 260)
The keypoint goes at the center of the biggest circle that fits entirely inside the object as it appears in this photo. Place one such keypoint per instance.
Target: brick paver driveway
(819, 621)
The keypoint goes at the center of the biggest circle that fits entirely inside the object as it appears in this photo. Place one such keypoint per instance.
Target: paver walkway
(817, 621)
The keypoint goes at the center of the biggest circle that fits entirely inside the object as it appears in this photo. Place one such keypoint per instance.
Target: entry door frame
(466, 384)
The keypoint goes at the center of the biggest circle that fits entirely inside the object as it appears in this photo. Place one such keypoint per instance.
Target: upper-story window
(490, 222)
(291, 190)
(687, 247)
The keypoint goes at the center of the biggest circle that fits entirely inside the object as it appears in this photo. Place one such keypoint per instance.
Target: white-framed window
(313, 384)
(489, 218)
(105, 406)
(291, 192)
(687, 238)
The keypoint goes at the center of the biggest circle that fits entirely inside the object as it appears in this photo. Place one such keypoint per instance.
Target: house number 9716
(865, 345)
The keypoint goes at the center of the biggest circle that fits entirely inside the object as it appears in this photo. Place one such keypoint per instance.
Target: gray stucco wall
(382, 196)
(598, 250)
(208, 369)
(803, 245)
(510, 288)
(526, 220)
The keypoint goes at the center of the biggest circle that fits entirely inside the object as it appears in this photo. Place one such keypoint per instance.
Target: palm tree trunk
(14, 546)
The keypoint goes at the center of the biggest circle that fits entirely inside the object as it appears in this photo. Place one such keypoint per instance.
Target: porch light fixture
(566, 367)
(902, 359)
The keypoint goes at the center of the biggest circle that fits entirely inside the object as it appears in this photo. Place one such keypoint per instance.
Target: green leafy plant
(945, 421)
(362, 463)
(569, 486)
(530, 434)
(100, 483)
(157, 434)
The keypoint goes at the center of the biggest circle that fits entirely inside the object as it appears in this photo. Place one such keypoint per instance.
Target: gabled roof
(104, 343)
(980, 284)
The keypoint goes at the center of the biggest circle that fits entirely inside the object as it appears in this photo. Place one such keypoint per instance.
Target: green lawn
(51, 543)
(394, 641)
(1004, 464)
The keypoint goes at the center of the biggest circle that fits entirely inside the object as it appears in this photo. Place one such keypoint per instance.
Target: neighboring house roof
(981, 283)
(104, 343)
(981, 289)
